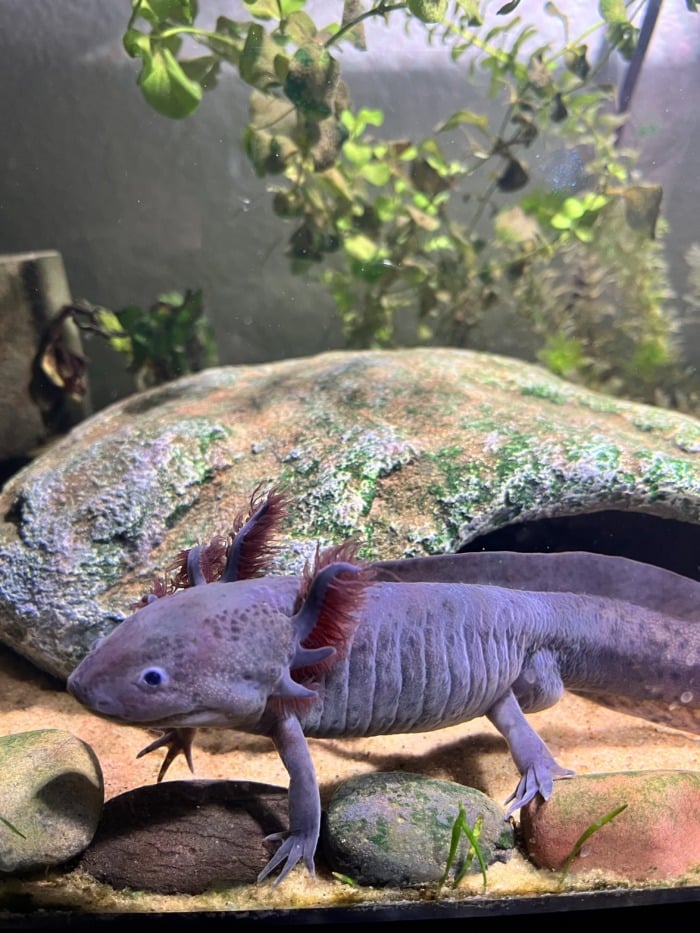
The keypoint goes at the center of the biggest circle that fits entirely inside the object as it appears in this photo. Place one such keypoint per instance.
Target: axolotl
(351, 649)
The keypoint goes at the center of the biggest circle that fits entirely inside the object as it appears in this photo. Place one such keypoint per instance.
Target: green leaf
(508, 8)
(360, 247)
(593, 828)
(439, 243)
(11, 827)
(352, 11)
(376, 173)
(357, 153)
(594, 202)
(158, 11)
(370, 117)
(428, 11)
(613, 11)
(251, 52)
(300, 27)
(386, 208)
(463, 116)
(263, 9)
(344, 879)
(573, 208)
(136, 43)
(289, 7)
(371, 271)
(561, 222)
(576, 61)
(473, 11)
(111, 325)
(460, 826)
(166, 87)
(203, 70)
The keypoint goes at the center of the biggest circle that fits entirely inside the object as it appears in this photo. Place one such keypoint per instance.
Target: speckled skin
(420, 656)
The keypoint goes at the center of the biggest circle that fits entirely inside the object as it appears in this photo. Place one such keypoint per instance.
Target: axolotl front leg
(304, 800)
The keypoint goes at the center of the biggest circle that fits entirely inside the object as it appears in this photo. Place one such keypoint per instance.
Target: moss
(546, 391)
(381, 837)
(667, 478)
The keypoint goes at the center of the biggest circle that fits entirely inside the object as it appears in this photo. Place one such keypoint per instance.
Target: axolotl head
(205, 656)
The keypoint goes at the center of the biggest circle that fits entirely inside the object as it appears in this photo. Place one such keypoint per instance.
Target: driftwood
(182, 837)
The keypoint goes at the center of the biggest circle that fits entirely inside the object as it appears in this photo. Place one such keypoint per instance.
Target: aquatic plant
(11, 827)
(381, 221)
(459, 827)
(171, 338)
(586, 834)
(344, 879)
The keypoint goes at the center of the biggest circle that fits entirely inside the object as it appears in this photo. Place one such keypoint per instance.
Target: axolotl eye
(153, 677)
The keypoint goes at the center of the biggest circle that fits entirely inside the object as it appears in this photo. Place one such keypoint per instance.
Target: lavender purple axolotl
(348, 649)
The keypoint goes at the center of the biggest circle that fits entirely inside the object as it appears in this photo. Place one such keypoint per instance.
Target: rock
(51, 791)
(656, 838)
(415, 452)
(182, 837)
(395, 829)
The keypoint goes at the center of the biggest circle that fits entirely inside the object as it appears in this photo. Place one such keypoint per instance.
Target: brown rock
(657, 836)
(182, 837)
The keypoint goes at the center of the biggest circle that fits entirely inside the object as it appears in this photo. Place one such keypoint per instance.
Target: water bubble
(687, 696)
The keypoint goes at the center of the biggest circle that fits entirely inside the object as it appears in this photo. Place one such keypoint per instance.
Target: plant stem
(196, 33)
(380, 10)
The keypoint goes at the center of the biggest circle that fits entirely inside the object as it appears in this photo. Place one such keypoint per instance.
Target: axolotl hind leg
(533, 759)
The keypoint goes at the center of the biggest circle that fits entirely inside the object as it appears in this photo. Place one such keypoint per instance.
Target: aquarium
(349, 444)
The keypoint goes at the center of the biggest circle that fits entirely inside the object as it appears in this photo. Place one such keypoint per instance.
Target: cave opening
(665, 542)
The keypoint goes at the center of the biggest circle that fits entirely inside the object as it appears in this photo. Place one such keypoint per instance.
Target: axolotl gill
(351, 649)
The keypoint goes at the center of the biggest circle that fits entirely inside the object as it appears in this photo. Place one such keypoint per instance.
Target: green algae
(545, 391)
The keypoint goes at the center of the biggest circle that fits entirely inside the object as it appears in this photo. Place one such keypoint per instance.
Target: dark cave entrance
(664, 542)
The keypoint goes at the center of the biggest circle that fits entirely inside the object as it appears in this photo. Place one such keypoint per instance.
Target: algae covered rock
(414, 452)
(654, 836)
(395, 829)
(51, 796)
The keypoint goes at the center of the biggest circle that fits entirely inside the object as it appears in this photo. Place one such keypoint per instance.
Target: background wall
(138, 204)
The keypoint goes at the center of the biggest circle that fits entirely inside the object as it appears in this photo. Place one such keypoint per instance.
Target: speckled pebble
(395, 829)
(51, 792)
(657, 836)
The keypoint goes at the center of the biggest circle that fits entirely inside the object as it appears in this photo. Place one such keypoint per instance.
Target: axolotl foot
(177, 742)
(538, 778)
(536, 764)
(296, 846)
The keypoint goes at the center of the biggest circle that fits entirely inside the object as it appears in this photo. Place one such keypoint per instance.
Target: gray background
(138, 204)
